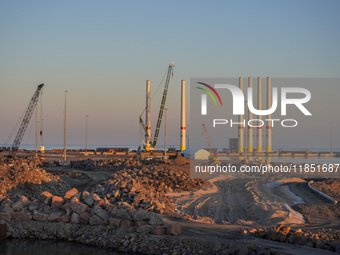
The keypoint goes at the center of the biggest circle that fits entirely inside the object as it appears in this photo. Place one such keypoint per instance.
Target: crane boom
(161, 110)
(27, 118)
(207, 138)
(213, 157)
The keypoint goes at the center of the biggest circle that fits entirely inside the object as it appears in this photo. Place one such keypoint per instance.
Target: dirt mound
(179, 160)
(108, 164)
(314, 212)
(322, 239)
(146, 187)
(330, 187)
(17, 174)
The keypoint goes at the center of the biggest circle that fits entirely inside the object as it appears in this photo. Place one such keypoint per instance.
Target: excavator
(153, 144)
(213, 159)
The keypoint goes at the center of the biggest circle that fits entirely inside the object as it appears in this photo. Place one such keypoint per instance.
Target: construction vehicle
(212, 157)
(152, 145)
(27, 117)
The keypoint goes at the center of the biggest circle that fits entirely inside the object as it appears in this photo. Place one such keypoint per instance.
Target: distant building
(195, 154)
(185, 153)
(233, 144)
(202, 155)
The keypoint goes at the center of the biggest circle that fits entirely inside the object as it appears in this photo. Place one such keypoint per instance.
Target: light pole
(36, 132)
(165, 110)
(41, 133)
(41, 127)
(65, 129)
(245, 133)
(86, 131)
(330, 136)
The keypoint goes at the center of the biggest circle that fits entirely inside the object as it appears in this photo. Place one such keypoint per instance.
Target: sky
(102, 52)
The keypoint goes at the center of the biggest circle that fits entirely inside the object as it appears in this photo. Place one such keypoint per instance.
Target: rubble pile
(329, 240)
(330, 187)
(120, 212)
(110, 164)
(129, 241)
(84, 208)
(146, 187)
(17, 173)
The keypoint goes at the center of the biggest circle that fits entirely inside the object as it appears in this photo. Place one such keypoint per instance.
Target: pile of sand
(179, 160)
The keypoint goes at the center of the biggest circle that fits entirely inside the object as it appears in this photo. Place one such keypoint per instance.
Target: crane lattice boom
(212, 155)
(161, 109)
(207, 138)
(27, 118)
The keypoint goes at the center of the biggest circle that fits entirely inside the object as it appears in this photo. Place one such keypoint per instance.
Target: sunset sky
(103, 51)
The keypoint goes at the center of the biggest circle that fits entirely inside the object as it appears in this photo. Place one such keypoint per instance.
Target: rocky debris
(50, 208)
(201, 219)
(40, 217)
(141, 186)
(95, 220)
(6, 206)
(78, 207)
(64, 219)
(155, 220)
(110, 164)
(57, 202)
(97, 200)
(88, 198)
(84, 217)
(100, 212)
(330, 187)
(158, 230)
(146, 186)
(69, 194)
(179, 160)
(5, 216)
(145, 229)
(312, 213)
(75, 219)
(21, 216)
(88, 164)
(34, 206)
(25, 201)
(126, 223)
(54, 217)
(115, 222)
(146, 240)
(46, 197)
(126, 202)
(17, 206)
(20, 176)
(329, 240)
(142, 215)
(174, 229)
